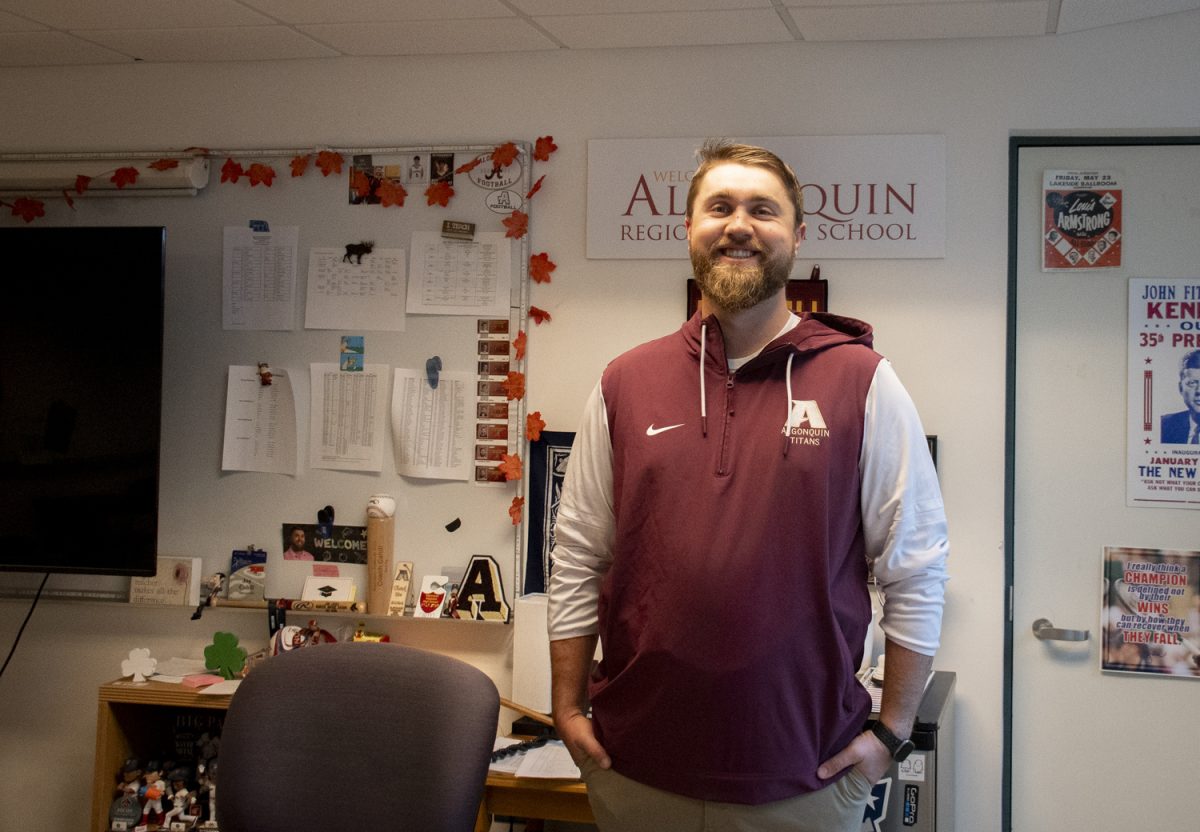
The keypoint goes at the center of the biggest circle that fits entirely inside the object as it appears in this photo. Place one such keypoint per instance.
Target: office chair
(356, 737)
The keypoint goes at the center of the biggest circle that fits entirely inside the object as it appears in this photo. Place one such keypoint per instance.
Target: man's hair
(722, 151)
(1190, 361)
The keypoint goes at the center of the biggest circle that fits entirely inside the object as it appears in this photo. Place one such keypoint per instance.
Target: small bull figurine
(357, 250)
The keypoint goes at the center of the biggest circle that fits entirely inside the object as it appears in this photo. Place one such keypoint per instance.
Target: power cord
(32, 607)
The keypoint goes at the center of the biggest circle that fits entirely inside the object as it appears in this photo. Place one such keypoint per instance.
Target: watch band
(898, 748)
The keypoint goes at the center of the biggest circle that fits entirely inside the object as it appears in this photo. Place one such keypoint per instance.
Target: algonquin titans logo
(805, 425)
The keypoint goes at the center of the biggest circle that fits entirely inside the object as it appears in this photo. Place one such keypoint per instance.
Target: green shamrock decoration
(224, 655)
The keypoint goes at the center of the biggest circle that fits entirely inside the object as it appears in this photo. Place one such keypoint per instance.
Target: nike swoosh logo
(653, 431)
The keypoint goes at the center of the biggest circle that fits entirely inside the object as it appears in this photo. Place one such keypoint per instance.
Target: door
(1089, 750)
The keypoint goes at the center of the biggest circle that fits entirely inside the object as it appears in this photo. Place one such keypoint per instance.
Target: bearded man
(730, 487)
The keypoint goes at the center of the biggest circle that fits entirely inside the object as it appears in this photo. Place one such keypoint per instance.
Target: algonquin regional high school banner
(864, 196)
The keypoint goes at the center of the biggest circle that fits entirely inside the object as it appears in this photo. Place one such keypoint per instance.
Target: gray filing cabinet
(917, 795)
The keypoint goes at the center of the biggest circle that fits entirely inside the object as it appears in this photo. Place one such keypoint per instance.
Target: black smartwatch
(898, 748)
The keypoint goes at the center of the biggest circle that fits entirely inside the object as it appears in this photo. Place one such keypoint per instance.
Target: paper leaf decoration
(261, 175)
(224, 655)
(124, 176)
(470, 166)
(511, 466)
(537, 186)
(539, 316)
(360, 183)
(514, 386)
(231, 171)
(329, 162)
(299, 164)
(534, 424)
(540, 266)
(514, 510)
(505, 154)
(439, 193)
(391, 192)
(543, 148)
(70, 200)
(28, 208)
(519, 344)
(517, 224)
(82, 183)
(164, 164)
(139, 665)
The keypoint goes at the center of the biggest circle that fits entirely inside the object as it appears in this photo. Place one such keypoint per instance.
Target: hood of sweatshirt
(816, 331)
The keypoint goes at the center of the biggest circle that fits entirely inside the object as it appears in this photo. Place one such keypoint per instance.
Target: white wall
(941, 322)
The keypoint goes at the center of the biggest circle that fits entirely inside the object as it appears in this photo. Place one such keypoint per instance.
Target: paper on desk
(225, 688)
(548, 761)
(510, 764)
(174, 669)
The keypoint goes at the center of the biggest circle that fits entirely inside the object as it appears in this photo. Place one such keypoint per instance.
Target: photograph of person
(1183, 427)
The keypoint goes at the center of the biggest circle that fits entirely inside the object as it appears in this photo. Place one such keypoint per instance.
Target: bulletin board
(208, 512)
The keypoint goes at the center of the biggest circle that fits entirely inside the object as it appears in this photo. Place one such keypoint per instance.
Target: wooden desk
(527, 797)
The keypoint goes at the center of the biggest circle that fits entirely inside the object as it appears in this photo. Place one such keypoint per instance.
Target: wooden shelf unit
(132, 720)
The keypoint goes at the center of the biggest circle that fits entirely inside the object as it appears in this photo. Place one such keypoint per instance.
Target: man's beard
(736, 286)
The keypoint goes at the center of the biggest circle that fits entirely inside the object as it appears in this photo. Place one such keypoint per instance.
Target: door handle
(1044, 630)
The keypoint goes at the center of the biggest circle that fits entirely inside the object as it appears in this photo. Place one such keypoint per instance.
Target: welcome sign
(864, 196)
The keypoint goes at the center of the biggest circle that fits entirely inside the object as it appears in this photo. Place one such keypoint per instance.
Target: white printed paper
(260, 423)
(356, 293)
(259, 278)
(453, 277)
(346, 417)
(430, 428)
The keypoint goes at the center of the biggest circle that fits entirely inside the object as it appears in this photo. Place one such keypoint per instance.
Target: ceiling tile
(431, 37)
(1077, 15)
(12, 23)
(570, 7)
(52, 49)
(245, 43)
(606, 31)
(377, 11)
(918, 21)
(130, 14)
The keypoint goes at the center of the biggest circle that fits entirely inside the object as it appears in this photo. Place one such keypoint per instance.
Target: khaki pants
(623, 805)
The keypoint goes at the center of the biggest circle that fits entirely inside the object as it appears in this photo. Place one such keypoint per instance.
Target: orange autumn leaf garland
(540, 266)
(299, 164)
(505, 154)
(519, 344)
(543, 147)
(391, 192)
(540, 316)
(164, 164)
(261, 175)
(511, 466)
(514, 386)
(27, 208)
(124, 176)
(439, 193)
(534, 425)
(514, 510)
(329, 161)
(517, 224)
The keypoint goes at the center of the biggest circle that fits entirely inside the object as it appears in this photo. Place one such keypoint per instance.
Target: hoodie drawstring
(787, 440)
(703, 400)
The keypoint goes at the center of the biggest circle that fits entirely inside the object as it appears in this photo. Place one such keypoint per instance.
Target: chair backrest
(356, 737)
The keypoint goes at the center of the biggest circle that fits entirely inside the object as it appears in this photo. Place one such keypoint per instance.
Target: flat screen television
(80, 398)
